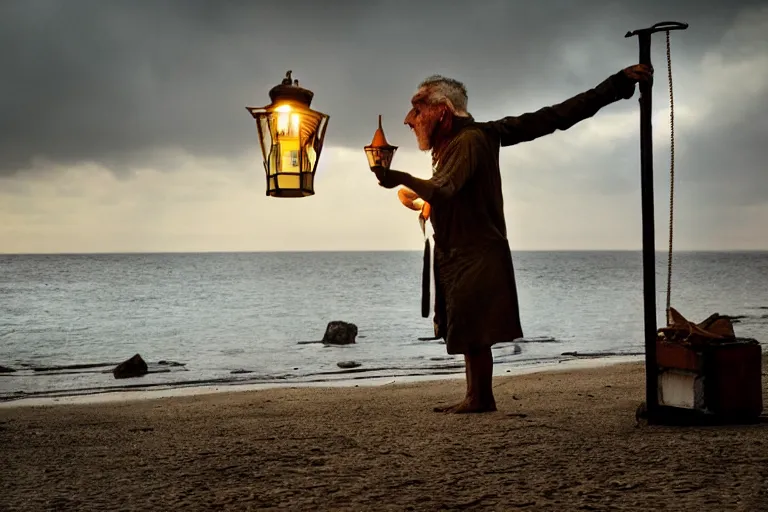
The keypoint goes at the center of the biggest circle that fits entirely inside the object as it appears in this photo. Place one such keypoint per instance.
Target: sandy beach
(561, 440)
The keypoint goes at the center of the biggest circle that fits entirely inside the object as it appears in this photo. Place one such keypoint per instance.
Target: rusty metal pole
(646, 187)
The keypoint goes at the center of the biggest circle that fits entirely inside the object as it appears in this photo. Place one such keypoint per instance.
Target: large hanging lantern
(380, 152)
(291, 137)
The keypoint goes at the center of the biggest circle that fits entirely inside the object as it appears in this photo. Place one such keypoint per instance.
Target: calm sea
(240, 317)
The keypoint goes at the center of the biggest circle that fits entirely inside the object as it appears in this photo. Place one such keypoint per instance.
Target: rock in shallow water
(340, 333)
(348, 364)
(6, 369)
(133, 367)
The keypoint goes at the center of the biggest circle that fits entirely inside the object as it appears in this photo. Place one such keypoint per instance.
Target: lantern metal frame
(380, 153)
(288, 99)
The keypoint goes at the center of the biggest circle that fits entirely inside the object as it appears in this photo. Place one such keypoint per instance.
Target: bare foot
(474, 406)
(446, 408)
(469, 406)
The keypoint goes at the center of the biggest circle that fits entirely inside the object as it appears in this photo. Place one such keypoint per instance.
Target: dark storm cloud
(111, 80)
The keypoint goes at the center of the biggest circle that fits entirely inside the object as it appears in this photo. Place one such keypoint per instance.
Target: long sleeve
(530, 126)
(457, 165)
(459, 162)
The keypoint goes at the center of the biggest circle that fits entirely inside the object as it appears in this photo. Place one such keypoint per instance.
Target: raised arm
(530, 126)
(459, 163)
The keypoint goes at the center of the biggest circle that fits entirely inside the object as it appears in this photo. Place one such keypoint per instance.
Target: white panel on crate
(681, 389)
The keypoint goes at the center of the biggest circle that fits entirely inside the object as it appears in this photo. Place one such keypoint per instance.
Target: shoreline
(564, 437)
(121, 394)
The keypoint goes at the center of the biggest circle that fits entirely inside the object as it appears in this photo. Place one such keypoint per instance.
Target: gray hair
(441, 89)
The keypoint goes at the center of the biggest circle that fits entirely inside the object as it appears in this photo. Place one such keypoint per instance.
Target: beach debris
(537, 339)
(516, 349)
(141, 429)
(6, 369)
(61, 368)
(599, 355)
(348, 364)
(340, 333)
(133, 367)
(716, 328)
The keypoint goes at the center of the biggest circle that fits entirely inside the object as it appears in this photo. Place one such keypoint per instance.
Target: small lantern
(291, 136)
(380, 152)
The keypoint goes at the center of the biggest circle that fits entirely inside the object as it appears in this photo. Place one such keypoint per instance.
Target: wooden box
(719, 379)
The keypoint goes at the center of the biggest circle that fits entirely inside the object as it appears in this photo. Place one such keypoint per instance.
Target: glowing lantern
(380, 152)
(291, 136)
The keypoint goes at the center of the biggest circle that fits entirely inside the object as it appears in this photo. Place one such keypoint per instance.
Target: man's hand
(386, 179)
(639, 73)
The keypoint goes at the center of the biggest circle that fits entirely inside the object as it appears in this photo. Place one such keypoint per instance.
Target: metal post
(649, 232)
(648, 221)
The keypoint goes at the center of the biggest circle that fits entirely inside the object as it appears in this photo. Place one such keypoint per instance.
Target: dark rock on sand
(6, 369)
(133, 367)
(340, 333)
(348, 364)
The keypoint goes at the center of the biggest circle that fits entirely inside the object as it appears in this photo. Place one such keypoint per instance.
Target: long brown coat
(476, 303)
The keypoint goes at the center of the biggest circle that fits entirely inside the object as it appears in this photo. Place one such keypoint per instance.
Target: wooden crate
(719, 379)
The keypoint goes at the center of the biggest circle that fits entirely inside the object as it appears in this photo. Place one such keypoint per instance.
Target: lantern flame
(287, 122)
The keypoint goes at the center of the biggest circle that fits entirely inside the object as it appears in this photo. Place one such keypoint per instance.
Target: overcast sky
(123, 124)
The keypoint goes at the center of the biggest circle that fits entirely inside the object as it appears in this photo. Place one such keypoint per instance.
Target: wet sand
(564, 440)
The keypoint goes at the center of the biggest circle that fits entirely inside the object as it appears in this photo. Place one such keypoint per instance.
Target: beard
(424, 140)
(431, 130)
(424, 132)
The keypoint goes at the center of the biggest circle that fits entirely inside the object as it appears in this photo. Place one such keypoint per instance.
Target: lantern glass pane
(268, 146)
(379, 157)
(292, 181)
(312, 133)
(285, 124)
(373, 159)
(266, 135)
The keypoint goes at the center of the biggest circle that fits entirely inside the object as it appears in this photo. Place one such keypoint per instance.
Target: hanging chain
(671, 177)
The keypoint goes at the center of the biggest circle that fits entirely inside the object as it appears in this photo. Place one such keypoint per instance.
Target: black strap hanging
(426, 270)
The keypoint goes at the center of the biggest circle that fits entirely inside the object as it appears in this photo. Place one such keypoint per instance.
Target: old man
(476, 302)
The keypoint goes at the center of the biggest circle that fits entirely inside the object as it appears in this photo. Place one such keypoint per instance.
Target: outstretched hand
(639, 73)
(386, 179)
